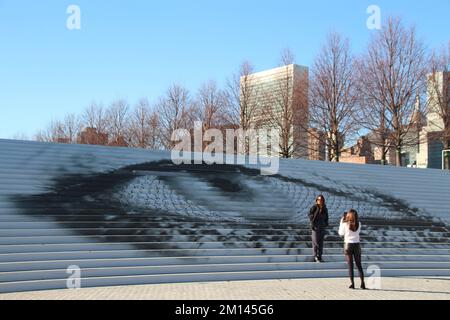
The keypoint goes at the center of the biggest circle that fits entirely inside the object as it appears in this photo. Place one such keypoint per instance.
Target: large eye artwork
(169, 207)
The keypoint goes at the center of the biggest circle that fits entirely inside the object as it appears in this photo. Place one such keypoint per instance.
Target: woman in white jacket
(350, 229)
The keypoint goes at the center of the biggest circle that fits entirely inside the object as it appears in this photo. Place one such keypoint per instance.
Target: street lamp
(445, 155)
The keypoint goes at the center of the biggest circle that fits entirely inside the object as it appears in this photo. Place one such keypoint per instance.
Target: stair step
(143, 229)
(194, 238)
(20, 286)
(118, 248)
(31, 225)
(12, 216)
(96, 262)
(226, 256)
(207, 242)
(59, 271)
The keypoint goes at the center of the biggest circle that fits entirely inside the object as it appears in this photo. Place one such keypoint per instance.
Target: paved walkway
(315, 289)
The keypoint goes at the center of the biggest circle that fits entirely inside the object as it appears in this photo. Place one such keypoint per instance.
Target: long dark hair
(323, 198)
(352, 220)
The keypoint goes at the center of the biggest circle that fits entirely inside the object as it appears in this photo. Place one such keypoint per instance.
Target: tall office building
(277, 99)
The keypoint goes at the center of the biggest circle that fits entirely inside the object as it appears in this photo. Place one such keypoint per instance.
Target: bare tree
(279, 111)
(439, 96)
(393, 82)
(144, 126)
(94, 116)
(44, 135)
(242, 96)
(211, 105)
(333, 105)
(72, 127)
(139, 124)
(175, 111)
(284, 107)
(287, 57)
(373, 117)
(243, 93)
(154, 129)
(61, 131)
(118, 122)
(20, 136)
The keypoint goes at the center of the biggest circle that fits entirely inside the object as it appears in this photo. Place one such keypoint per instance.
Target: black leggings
(318, 237)
(353, 252)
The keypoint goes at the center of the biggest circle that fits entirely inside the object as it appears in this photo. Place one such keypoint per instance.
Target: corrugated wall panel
(127, 216)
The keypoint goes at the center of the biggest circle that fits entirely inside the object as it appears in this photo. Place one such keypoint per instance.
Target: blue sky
(133, 49)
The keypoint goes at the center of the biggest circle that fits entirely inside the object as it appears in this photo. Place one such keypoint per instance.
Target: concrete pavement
(404, 288)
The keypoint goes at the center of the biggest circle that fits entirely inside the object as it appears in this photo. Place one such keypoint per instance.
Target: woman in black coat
(318, 215)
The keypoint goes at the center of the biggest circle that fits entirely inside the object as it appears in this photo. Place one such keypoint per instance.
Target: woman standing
(318, 215)
(350, 229)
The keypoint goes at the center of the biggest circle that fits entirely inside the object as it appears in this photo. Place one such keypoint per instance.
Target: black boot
(363, 285)
(352, 286)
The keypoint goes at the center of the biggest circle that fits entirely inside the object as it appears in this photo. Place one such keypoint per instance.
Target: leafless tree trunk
(439, 96)
(20, 136)
(242, 96)
(280, 112)
(72, 127)
(154, 129)
(285, 104)
(333, 104)
(61, 131)
(286, 107)
(372, 115)
(175, 111)
(393, 74)
(94, 116)
(118, 123)
(211, 103)
(50, 134)
(287, 57)
(144, 126)
(211, 110)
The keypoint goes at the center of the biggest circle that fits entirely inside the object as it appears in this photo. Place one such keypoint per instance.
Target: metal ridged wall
(128, 216)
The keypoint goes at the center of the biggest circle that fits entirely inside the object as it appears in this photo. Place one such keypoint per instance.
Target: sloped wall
(129, 216)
